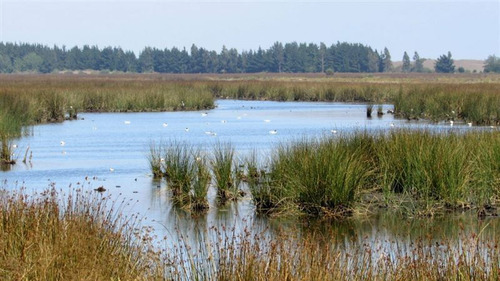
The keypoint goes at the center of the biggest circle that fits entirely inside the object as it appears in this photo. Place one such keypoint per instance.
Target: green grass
(319, 176)
(333, 175)
(226, 172)
(186, 171)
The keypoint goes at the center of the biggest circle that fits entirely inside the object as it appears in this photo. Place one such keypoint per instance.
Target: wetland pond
(111, 150)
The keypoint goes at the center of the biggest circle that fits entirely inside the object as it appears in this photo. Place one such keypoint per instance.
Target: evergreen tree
(419, 63)
(445, 64)
(385, 63)
(492, 64)
(146, 63)
(406, 63)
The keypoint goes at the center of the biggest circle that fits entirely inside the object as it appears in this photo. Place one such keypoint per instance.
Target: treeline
(289, 57)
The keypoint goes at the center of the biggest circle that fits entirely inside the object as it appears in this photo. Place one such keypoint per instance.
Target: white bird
(111, 169)
(392, 125)
(204, 114)
(162, 160)
(451, 123)
(14, 146)
(127, 122)
(187, 129)
(267, 120)
(165, 125)
(63, 143)
(273, 132)
(470, 124)
(223, 121)
(333, 131)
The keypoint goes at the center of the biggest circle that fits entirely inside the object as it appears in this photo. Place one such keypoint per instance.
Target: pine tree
(419, 63)
(406, 63)
(445, 64)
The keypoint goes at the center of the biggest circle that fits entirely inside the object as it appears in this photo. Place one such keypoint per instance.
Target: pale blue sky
(469, 29)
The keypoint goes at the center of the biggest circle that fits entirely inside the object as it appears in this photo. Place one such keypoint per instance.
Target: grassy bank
(80, 237)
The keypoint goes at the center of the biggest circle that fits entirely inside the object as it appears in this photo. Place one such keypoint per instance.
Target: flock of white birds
(211, 133)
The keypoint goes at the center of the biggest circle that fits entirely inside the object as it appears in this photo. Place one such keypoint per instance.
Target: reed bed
(316, 256)
(76, 237)
(433, 171)
(415, 172)
(83, 237)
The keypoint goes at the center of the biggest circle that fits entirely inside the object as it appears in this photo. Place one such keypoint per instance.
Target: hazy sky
(469, 29)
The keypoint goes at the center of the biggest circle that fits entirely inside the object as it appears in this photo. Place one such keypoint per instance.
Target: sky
(469, 29)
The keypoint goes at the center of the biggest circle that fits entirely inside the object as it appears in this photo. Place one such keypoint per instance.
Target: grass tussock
(186, 172)
(226, 172)
(332, 174)
(79, 237)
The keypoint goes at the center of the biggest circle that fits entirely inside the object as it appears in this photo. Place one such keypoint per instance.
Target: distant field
(470, 65)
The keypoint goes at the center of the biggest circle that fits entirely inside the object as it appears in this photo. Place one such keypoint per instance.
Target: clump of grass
(380, 110)
(429, 170)
(80, 236)
(369, 110)
(201, 182)
(320, 176)
(179, 170)
(186, 172)
(226, 172)
(156, 160)
(458, 170)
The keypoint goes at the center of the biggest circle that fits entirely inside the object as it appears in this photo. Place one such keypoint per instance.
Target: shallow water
(111, 150)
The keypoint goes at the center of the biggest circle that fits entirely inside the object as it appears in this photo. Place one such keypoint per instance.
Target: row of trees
(289, 57)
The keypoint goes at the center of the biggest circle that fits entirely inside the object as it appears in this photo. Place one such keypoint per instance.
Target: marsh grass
(84, 237)
(80, 236)
(226, 172)
(156, 160)
(186, 171)
(180, 170)
(320, 176)
(418, 173)
(316, 256)
(369, 110)
(459, 170)
(201, 183)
